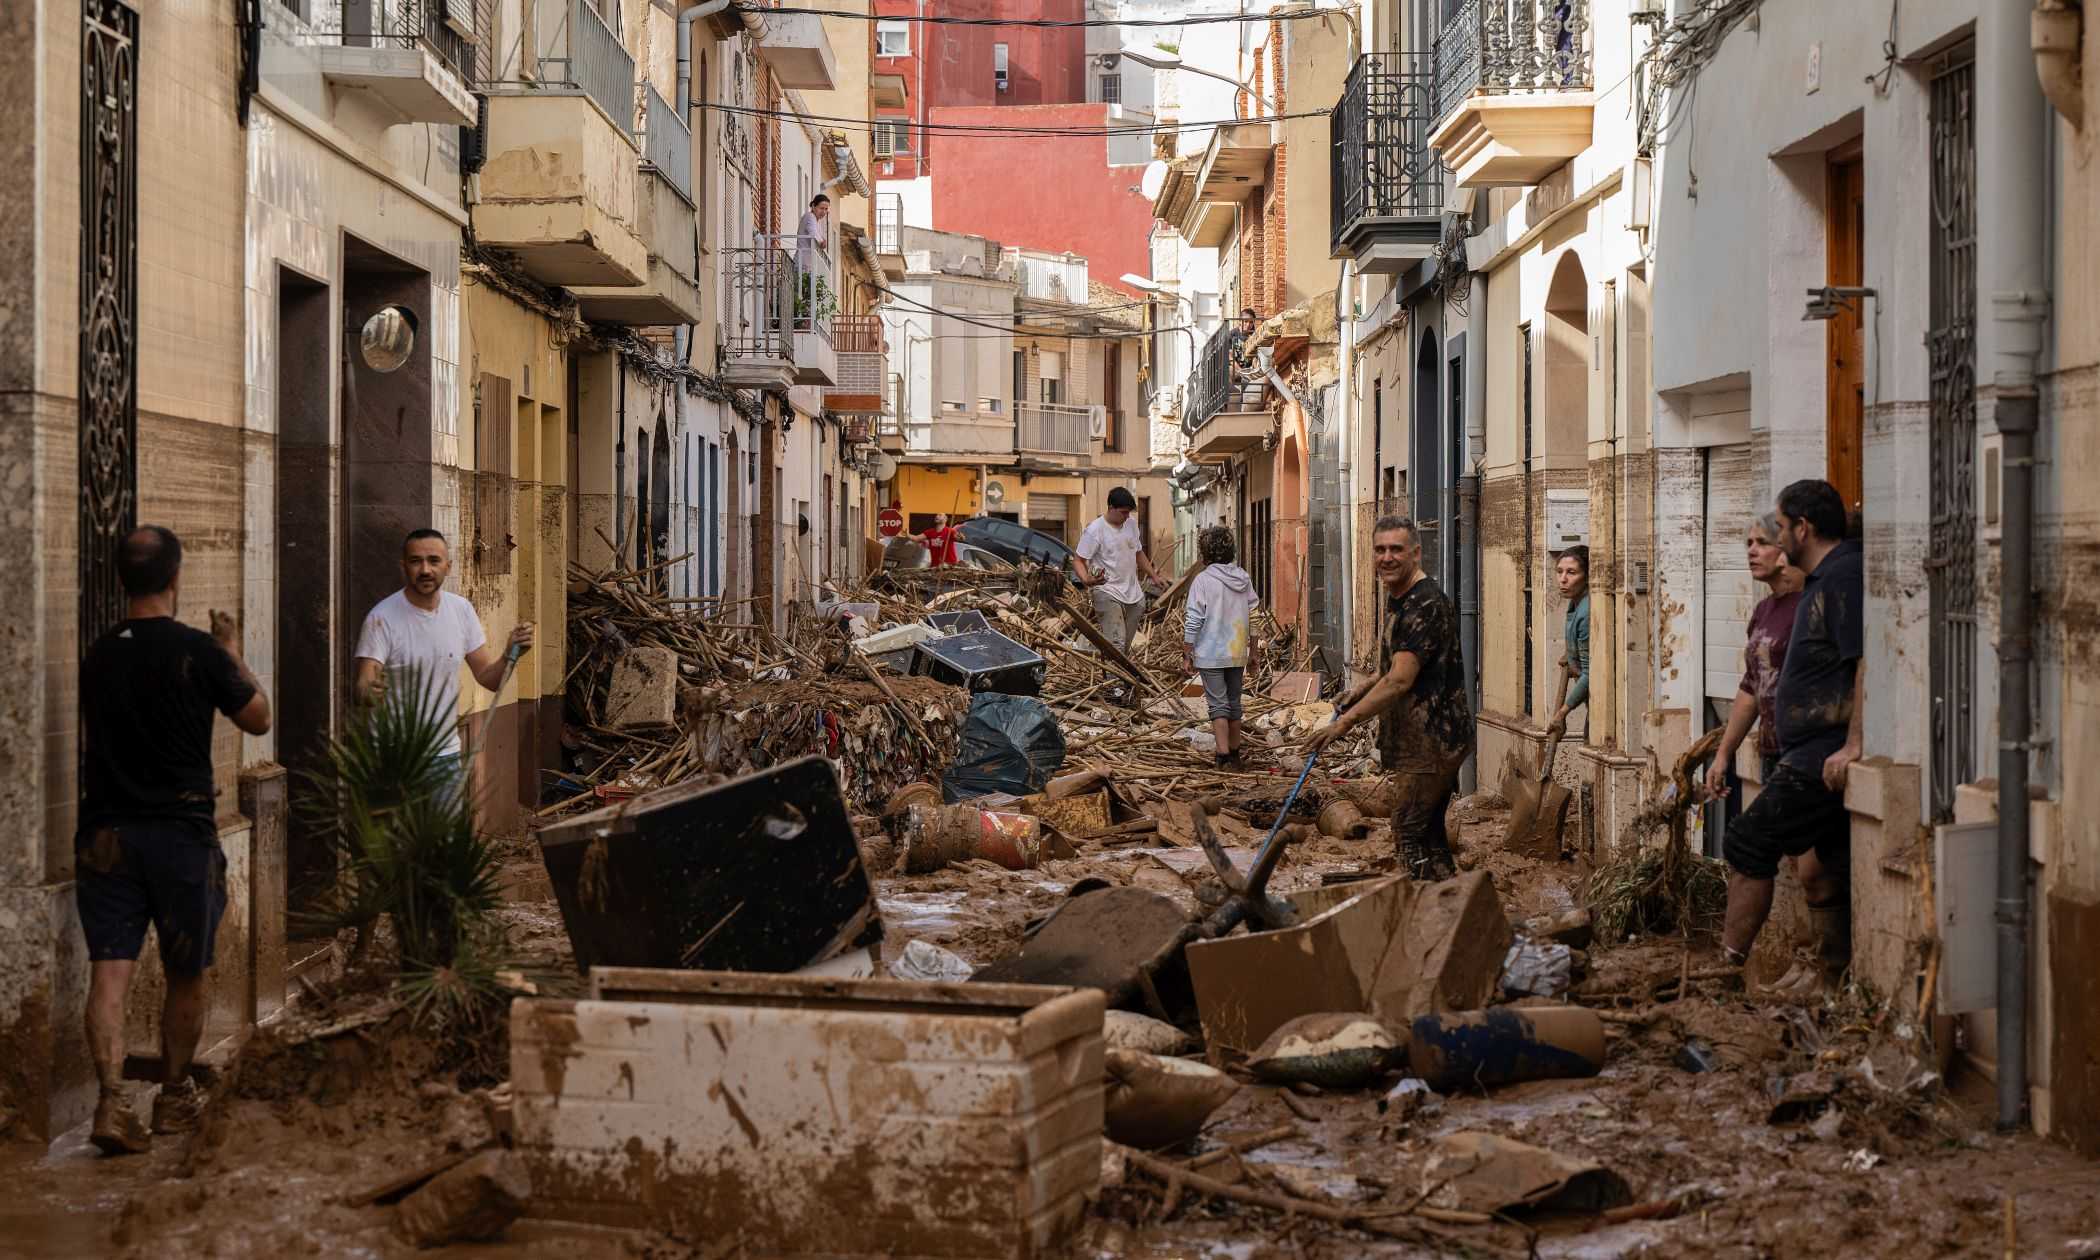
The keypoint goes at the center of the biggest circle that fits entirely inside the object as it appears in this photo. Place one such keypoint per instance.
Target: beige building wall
(198, 462)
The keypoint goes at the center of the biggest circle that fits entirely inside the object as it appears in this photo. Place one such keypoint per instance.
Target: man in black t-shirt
(1820, 706)
(1425, 731)
(148, 845)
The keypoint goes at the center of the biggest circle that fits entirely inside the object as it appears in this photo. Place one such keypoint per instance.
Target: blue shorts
(167, 872)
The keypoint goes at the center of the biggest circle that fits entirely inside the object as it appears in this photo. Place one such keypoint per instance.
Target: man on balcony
(1111, 551)
(812, 246)
(1246, 374)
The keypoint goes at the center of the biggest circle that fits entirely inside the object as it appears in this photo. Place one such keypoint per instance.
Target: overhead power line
(932, 19)
(999, 129)
(1010, 330)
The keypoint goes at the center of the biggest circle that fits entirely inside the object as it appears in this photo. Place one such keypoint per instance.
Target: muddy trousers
(1421, 798)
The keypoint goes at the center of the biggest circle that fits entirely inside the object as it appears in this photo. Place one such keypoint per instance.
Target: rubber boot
(1833, 929)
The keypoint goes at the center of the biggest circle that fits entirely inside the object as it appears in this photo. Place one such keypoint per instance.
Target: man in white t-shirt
(426, 628)
(1111, 552)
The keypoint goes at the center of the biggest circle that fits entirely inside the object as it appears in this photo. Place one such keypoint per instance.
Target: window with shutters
(1112, 89)
(495, 413)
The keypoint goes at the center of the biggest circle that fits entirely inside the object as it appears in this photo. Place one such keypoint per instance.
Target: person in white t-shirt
(1111, 554)
(425, 628)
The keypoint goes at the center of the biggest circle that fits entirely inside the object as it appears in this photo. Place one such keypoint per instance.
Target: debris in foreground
(797, 1081)
(760, 873)
(472, 1202)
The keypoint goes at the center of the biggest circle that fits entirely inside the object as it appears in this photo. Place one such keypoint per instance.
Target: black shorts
(1793, 814)
(169, 873)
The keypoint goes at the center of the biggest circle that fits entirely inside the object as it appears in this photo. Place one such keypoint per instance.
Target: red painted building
(1044, 192)
(1039, 192)
(945, 65)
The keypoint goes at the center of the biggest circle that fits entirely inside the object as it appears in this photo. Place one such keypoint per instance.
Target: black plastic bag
(1009, 744)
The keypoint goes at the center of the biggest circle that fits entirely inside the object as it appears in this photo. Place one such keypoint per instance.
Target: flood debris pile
(660, 692)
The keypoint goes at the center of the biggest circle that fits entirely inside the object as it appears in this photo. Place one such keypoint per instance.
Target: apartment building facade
(1261, 451)
(394, 266)
(1622, 271)
(1018, 393)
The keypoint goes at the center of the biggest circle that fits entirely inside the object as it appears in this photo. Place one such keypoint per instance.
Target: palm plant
(392, 806)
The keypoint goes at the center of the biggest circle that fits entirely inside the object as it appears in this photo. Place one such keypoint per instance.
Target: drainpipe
(2012, 129)
(1469, 460)
(2055, 31)
(1345, 440)
(619, 496)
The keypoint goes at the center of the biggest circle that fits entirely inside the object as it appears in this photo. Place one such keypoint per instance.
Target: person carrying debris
(1111, 551)
(1425, 730)
(1764, 655)
(1572, 572)
(940, 542)
(148, 845)
(1820, 702)
(427, 631)
(1214, 636)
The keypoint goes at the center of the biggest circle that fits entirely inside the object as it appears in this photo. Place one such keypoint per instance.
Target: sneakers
(118, 1129)
(178, 1108)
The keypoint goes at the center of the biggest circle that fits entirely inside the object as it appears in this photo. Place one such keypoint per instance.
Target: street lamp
(1161, 59)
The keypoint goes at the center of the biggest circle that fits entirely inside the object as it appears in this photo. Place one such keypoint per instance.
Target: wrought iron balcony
(1221, 386)
(783, 297)
(1387, 190)
(758, 335)
(1042, 428)
(1505, 47)
(1513, 82)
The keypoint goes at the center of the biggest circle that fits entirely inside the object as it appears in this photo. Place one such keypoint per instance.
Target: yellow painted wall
(937, 488)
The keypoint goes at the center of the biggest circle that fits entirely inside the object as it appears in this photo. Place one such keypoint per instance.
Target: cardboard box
(1389, 947)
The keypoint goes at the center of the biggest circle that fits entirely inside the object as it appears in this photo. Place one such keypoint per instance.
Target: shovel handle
(1546, 761)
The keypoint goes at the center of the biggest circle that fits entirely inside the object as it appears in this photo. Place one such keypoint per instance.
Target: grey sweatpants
(1221, 691)
(1118, 620)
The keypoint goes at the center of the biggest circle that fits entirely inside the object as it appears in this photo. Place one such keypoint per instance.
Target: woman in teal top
(1572, 572)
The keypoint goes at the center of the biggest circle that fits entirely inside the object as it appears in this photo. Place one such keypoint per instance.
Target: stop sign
(890, 521)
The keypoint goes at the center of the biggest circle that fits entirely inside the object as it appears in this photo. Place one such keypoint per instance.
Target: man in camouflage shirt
(1425, 731)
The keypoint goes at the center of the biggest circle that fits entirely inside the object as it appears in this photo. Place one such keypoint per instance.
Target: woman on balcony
(812, 247)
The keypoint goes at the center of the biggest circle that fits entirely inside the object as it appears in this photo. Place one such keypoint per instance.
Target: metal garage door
(1732, 503)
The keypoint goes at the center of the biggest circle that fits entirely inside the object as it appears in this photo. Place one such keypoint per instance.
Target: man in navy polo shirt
(1821, 701)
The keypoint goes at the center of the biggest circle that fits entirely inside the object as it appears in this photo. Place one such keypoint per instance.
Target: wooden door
(1846, 233)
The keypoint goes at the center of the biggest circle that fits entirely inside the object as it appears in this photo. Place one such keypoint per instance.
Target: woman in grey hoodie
(1214, 636)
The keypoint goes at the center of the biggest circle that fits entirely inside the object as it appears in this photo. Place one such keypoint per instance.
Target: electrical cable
(998, 129)
(1195, 19)
(1011, 330)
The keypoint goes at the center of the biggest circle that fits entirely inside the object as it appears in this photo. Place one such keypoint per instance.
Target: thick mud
(322, 1106)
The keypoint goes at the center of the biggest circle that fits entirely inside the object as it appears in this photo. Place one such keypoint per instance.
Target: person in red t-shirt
(940, 541)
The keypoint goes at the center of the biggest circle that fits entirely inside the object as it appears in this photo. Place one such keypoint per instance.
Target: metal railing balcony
(1383, 168)
(1502, 47)
(889, 223)
(407, 24)
(578, 51)
(1054, 428)
(816, 287)
(667, 142)
(759, 323)
(1219, 383)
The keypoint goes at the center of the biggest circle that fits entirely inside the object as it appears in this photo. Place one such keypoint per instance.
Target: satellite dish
(387, 338)
(994, 493)
(885, 467)
(1154, 178)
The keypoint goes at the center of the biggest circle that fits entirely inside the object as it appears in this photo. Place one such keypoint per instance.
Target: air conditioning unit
(1097, 422)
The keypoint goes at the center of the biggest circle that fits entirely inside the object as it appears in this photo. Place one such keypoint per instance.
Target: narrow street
(954, 629)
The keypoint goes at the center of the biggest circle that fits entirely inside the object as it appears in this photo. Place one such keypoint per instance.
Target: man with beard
(1426, 729)
(425, 631)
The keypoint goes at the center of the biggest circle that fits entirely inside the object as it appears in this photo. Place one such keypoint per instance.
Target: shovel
(1537, 808)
